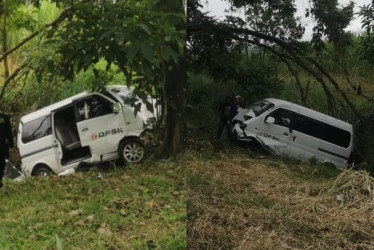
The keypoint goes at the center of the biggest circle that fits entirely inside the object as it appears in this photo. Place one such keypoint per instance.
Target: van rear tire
(131, 151)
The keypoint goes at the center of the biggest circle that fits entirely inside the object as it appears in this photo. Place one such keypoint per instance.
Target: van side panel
(302, 133)
(35, 152)
(335, 154)
(302, 146)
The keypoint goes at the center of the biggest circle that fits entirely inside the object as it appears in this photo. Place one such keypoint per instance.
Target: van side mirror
(270, 120)
(117, 107)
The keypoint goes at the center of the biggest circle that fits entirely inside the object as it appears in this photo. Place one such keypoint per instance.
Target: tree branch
(293, 57)
(11, 77)
(27, 39)
(296, 52)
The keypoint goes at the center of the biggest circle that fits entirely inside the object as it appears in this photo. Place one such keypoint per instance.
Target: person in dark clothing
(6, 142)
(229, 110)
(225, 113)
(238, 103)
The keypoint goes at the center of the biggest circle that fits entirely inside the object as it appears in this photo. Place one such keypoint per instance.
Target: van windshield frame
(261, 107)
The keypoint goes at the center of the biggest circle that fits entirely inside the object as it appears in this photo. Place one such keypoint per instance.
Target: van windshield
(126, 95)
(260, 107)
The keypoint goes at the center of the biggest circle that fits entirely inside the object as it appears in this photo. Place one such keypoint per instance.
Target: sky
(217, 8)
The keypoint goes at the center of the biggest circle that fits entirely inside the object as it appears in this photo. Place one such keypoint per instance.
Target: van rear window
(36, 129)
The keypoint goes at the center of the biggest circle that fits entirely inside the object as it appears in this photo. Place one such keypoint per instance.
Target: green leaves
(145, 28)
(147, 51)
(133, 49)
(120, 37)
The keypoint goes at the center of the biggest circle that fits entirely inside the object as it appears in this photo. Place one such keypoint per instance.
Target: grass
(241, 200)
(138, 207)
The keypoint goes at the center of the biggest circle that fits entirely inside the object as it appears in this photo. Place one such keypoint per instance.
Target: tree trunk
(172, 130)
(4, 44)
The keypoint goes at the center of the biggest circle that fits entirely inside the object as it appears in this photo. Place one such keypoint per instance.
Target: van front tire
(131, 151)
(42, 171)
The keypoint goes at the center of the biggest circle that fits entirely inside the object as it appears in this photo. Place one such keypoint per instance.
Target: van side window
(321, 130)
(282, 117)
(36, 129)
(312, 127)
(308, 126)
(94, 106)
(337, 136)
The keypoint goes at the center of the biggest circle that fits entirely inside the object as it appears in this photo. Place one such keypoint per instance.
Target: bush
(206, 94)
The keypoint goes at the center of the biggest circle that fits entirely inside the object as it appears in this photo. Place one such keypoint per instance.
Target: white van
(285, 128)
(83, 129)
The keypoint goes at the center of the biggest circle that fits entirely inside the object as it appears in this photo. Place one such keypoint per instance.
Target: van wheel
(131, 151)
(42, 172)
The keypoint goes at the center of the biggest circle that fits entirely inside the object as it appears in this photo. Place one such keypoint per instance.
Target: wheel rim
(133, 152)
(43, 174)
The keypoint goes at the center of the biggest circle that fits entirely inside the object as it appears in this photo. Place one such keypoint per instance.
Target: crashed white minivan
(85, 129)
(288, 129)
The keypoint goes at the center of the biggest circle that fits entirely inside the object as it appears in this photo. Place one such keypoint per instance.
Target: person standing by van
(228, 110)
(6, 142)
(225, 113)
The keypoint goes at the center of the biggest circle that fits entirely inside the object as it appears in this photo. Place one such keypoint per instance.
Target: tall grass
(262, 202)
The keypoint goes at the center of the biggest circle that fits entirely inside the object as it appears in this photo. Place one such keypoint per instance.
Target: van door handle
(84, 129)
(293, 138)
(286, 134)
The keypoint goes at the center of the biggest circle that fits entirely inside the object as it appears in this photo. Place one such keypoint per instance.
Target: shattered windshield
(126, 95)
(260, 107)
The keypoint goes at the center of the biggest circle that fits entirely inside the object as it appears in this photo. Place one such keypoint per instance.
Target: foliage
(366, 43)
(331, 22)
(275, 18)
(208, 91)
(134, 208)
(140, 43)
(366, 47)
(367, 14)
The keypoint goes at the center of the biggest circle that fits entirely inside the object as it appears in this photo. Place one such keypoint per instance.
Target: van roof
(46, 110)
(311, 113)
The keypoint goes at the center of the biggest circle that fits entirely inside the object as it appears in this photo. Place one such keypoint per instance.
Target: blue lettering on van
(110, 132)
(266, 135)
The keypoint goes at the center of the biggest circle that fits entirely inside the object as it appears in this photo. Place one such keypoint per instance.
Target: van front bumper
(148, 140)
(240, 135)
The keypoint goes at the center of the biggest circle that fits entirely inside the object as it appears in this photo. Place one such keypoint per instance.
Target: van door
(274, 132)
(58, 154)
(37, 145)
(98, 127)
(306, 136)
